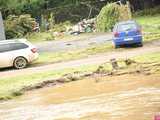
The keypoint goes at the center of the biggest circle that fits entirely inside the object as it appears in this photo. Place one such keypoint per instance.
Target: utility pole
(2, 32)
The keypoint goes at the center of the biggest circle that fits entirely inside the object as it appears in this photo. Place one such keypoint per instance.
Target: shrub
(110, 14)
(18, 26)
(40, 36)
(107, 18)
(62, 27)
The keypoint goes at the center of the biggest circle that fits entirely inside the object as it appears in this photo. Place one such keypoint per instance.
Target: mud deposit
(125, 97)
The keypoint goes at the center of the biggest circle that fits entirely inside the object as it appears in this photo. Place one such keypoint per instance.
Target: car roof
(13, 41)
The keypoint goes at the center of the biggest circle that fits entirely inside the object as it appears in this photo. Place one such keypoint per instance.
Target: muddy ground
(131, 95)
(122, 95)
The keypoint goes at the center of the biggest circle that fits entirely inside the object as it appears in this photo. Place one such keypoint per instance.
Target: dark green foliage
(18, 26)
(61, 27)
(38, 7)
(18, 7)
(150, 11)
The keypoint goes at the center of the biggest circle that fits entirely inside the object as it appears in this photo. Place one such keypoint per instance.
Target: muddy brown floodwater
(127, 97)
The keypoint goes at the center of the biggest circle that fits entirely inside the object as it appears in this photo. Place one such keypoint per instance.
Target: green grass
(151, 57)
(149, 23)
(73, 55)
(150, 26)
(48, 36)
(154, 34)
(40, 37)
(11, 86)
(82, 36)
(54, 57)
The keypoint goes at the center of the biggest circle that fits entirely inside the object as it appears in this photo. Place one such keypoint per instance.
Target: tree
(64, 8)
(144, 4)
(17, 7)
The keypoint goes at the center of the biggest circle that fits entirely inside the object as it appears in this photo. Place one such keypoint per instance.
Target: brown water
(129, 97)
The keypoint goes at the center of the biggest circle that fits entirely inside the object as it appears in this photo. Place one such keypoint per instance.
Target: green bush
(40, 36)
(61, 27)
(110, 14)
(18, 26)
(107, 18)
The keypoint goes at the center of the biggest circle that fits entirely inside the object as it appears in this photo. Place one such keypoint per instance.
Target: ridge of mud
(132, 68)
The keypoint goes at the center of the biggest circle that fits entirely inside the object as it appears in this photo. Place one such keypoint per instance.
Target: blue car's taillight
(139, 31)
(116, 34)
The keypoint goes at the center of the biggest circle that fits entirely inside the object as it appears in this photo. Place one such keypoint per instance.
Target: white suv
(17, 53)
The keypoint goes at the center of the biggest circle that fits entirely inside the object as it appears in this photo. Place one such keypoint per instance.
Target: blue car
(127, 33)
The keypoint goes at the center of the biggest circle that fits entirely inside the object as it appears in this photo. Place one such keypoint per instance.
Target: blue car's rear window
(126, 27)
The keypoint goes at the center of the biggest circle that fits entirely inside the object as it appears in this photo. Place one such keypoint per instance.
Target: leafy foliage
(38, 7)
(107, 18)
(61, 27)
(110, 15)
(18, 26)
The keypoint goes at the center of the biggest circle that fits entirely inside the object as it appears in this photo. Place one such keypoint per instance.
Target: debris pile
(84, 26)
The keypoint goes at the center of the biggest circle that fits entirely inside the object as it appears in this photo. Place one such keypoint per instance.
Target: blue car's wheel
(116, 46)
(140, 44)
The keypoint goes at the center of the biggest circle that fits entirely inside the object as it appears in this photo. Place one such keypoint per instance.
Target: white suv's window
(12, 46)
(4, 47)
(17, 46)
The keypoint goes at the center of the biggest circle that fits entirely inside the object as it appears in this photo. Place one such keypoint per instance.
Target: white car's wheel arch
(20, 57)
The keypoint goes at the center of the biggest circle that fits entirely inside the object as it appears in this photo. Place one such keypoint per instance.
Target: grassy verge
(151, 26)
(47, 36)
(149, 23)
(73, 55)
(152, 57)
(49, 57)
(40, 37)
(10, 87)
(82, 36)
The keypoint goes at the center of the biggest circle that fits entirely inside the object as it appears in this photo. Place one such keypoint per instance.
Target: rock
(114, 63)
(129, 62)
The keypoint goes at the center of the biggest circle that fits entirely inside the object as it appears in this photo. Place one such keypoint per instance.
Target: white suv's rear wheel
(20, 63)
